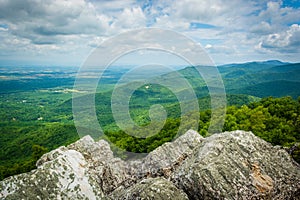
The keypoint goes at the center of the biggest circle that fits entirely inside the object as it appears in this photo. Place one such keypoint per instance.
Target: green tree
(38, 151)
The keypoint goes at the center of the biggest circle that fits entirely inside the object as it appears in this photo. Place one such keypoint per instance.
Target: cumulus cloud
(262, 28)
(278, 15)
(63, 26)
(51, 21)
(40, 21)
(69, 27)
(199, 10)
(219, 49)
(130, 18)
(273, 18)
(285, 41)
(218, 13)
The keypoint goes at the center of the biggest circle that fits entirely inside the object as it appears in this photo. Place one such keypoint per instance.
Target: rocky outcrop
(238, 165)
(230, 165)
(61, 174)
(107, 171)
(150, 188)
(163, 159)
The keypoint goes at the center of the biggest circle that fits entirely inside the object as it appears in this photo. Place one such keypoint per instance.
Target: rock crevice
(230, 165)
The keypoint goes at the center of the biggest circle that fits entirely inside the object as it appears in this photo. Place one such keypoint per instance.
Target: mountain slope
(277, 88)
(262, 79)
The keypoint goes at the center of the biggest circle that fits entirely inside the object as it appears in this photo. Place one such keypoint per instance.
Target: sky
(65, 32)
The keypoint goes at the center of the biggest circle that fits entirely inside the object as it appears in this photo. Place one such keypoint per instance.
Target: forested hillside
(276, 120)
(36, 109)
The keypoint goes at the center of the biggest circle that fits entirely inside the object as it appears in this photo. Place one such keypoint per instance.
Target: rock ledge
(230, 165)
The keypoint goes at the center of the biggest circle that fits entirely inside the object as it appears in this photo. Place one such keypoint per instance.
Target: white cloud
(166, 21)
(219, 49)
(52, 28)
(3, 29)
(261, 28)
(208, 46)
(130, 18)
(279, 16)
(237, 28)
(199, 10)
(52, 17)
(285, 41)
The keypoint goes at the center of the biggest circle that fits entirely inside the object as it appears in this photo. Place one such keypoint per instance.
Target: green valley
(36, 109)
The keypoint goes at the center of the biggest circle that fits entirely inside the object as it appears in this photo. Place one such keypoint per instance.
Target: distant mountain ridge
(273, 78)
(260, 63)
(261, 79)
(237, 77)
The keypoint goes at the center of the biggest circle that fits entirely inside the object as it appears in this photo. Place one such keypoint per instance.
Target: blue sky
(56, 32)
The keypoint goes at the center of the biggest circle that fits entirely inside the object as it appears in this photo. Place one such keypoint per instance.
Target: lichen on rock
(150, 189)
(237, 165)
(230, 165)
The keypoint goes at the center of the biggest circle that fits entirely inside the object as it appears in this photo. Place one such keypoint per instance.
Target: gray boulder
(150, 189)
(107, 171)
(61, 175)
(238, 165)
(230, 165)
(162, 160)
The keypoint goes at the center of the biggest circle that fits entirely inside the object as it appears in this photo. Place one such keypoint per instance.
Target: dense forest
(36, 109)
(276, 120)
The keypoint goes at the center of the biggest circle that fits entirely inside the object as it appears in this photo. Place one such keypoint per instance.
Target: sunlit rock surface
(238, 165)
(230, 165)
